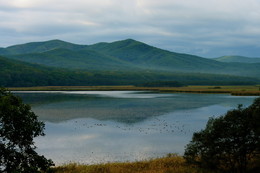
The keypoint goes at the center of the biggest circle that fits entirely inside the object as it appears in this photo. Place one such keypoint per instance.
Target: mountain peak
(130, 40)
(55, 41)
(39, 47)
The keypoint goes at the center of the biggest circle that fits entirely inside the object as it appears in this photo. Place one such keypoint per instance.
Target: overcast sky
(208, 28)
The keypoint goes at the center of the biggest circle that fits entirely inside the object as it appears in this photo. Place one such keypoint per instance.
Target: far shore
(247, 90)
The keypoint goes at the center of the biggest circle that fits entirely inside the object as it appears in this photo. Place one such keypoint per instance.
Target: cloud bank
(207, 28)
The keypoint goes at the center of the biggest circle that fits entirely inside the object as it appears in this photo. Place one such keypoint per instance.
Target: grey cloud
(207, 28)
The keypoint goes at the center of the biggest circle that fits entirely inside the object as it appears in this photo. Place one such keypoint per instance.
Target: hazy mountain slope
(82, 59)
(241, 59)
(38, 47)
(3, 51)
(153, 58)
(15, 73)
(125, 55)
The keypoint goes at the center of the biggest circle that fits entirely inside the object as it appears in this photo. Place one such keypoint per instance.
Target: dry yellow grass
(169, 164)
(234, 90)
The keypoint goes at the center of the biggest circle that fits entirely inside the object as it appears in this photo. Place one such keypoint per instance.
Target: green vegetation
(18, 127)
(127, 56)
(152, 58)
(127, 62)
(38, 47)
(20, 74)
(162, 84)
(229, 143)
(70, 59)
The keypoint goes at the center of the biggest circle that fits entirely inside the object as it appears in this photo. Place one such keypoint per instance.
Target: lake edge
(249, 90)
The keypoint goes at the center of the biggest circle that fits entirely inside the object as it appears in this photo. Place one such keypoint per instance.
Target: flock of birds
(156, 125)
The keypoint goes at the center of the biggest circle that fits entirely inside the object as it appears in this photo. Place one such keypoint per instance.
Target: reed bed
(170, 164)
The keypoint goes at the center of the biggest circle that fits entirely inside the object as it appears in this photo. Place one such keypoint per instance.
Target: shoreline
(250, 90)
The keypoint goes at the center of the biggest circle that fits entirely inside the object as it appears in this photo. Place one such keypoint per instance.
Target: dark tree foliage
(229, 143)
(18, 127)
(161, 84)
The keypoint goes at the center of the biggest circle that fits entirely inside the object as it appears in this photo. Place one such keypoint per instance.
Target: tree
(18, 127)
(229, 143)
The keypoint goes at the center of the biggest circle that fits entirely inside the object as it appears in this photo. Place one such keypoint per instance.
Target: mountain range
(121, 62)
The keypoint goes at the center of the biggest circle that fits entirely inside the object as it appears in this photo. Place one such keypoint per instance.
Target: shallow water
(103, 126)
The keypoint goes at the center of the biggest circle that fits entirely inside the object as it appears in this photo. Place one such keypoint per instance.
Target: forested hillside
(126, 62)
(15, 73)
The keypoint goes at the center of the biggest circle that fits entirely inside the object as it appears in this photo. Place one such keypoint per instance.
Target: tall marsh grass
(168, 164)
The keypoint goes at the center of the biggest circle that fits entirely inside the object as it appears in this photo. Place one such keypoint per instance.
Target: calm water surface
(103, 126)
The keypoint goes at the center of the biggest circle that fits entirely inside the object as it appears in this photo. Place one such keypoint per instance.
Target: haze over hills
(143, 55)
(15, 73)
(241, 59)
(82, 59)
(121, 62)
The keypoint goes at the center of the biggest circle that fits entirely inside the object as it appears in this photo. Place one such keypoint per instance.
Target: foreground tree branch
(18, 126)
(229, 143)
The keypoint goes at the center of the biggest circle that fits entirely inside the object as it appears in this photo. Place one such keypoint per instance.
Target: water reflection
(121, 106)
(94, 127)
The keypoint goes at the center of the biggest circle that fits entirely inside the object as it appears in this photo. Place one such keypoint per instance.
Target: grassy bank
(169, 164)
(233, 90)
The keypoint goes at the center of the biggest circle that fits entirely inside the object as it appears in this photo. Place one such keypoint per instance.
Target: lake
(105, 126)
